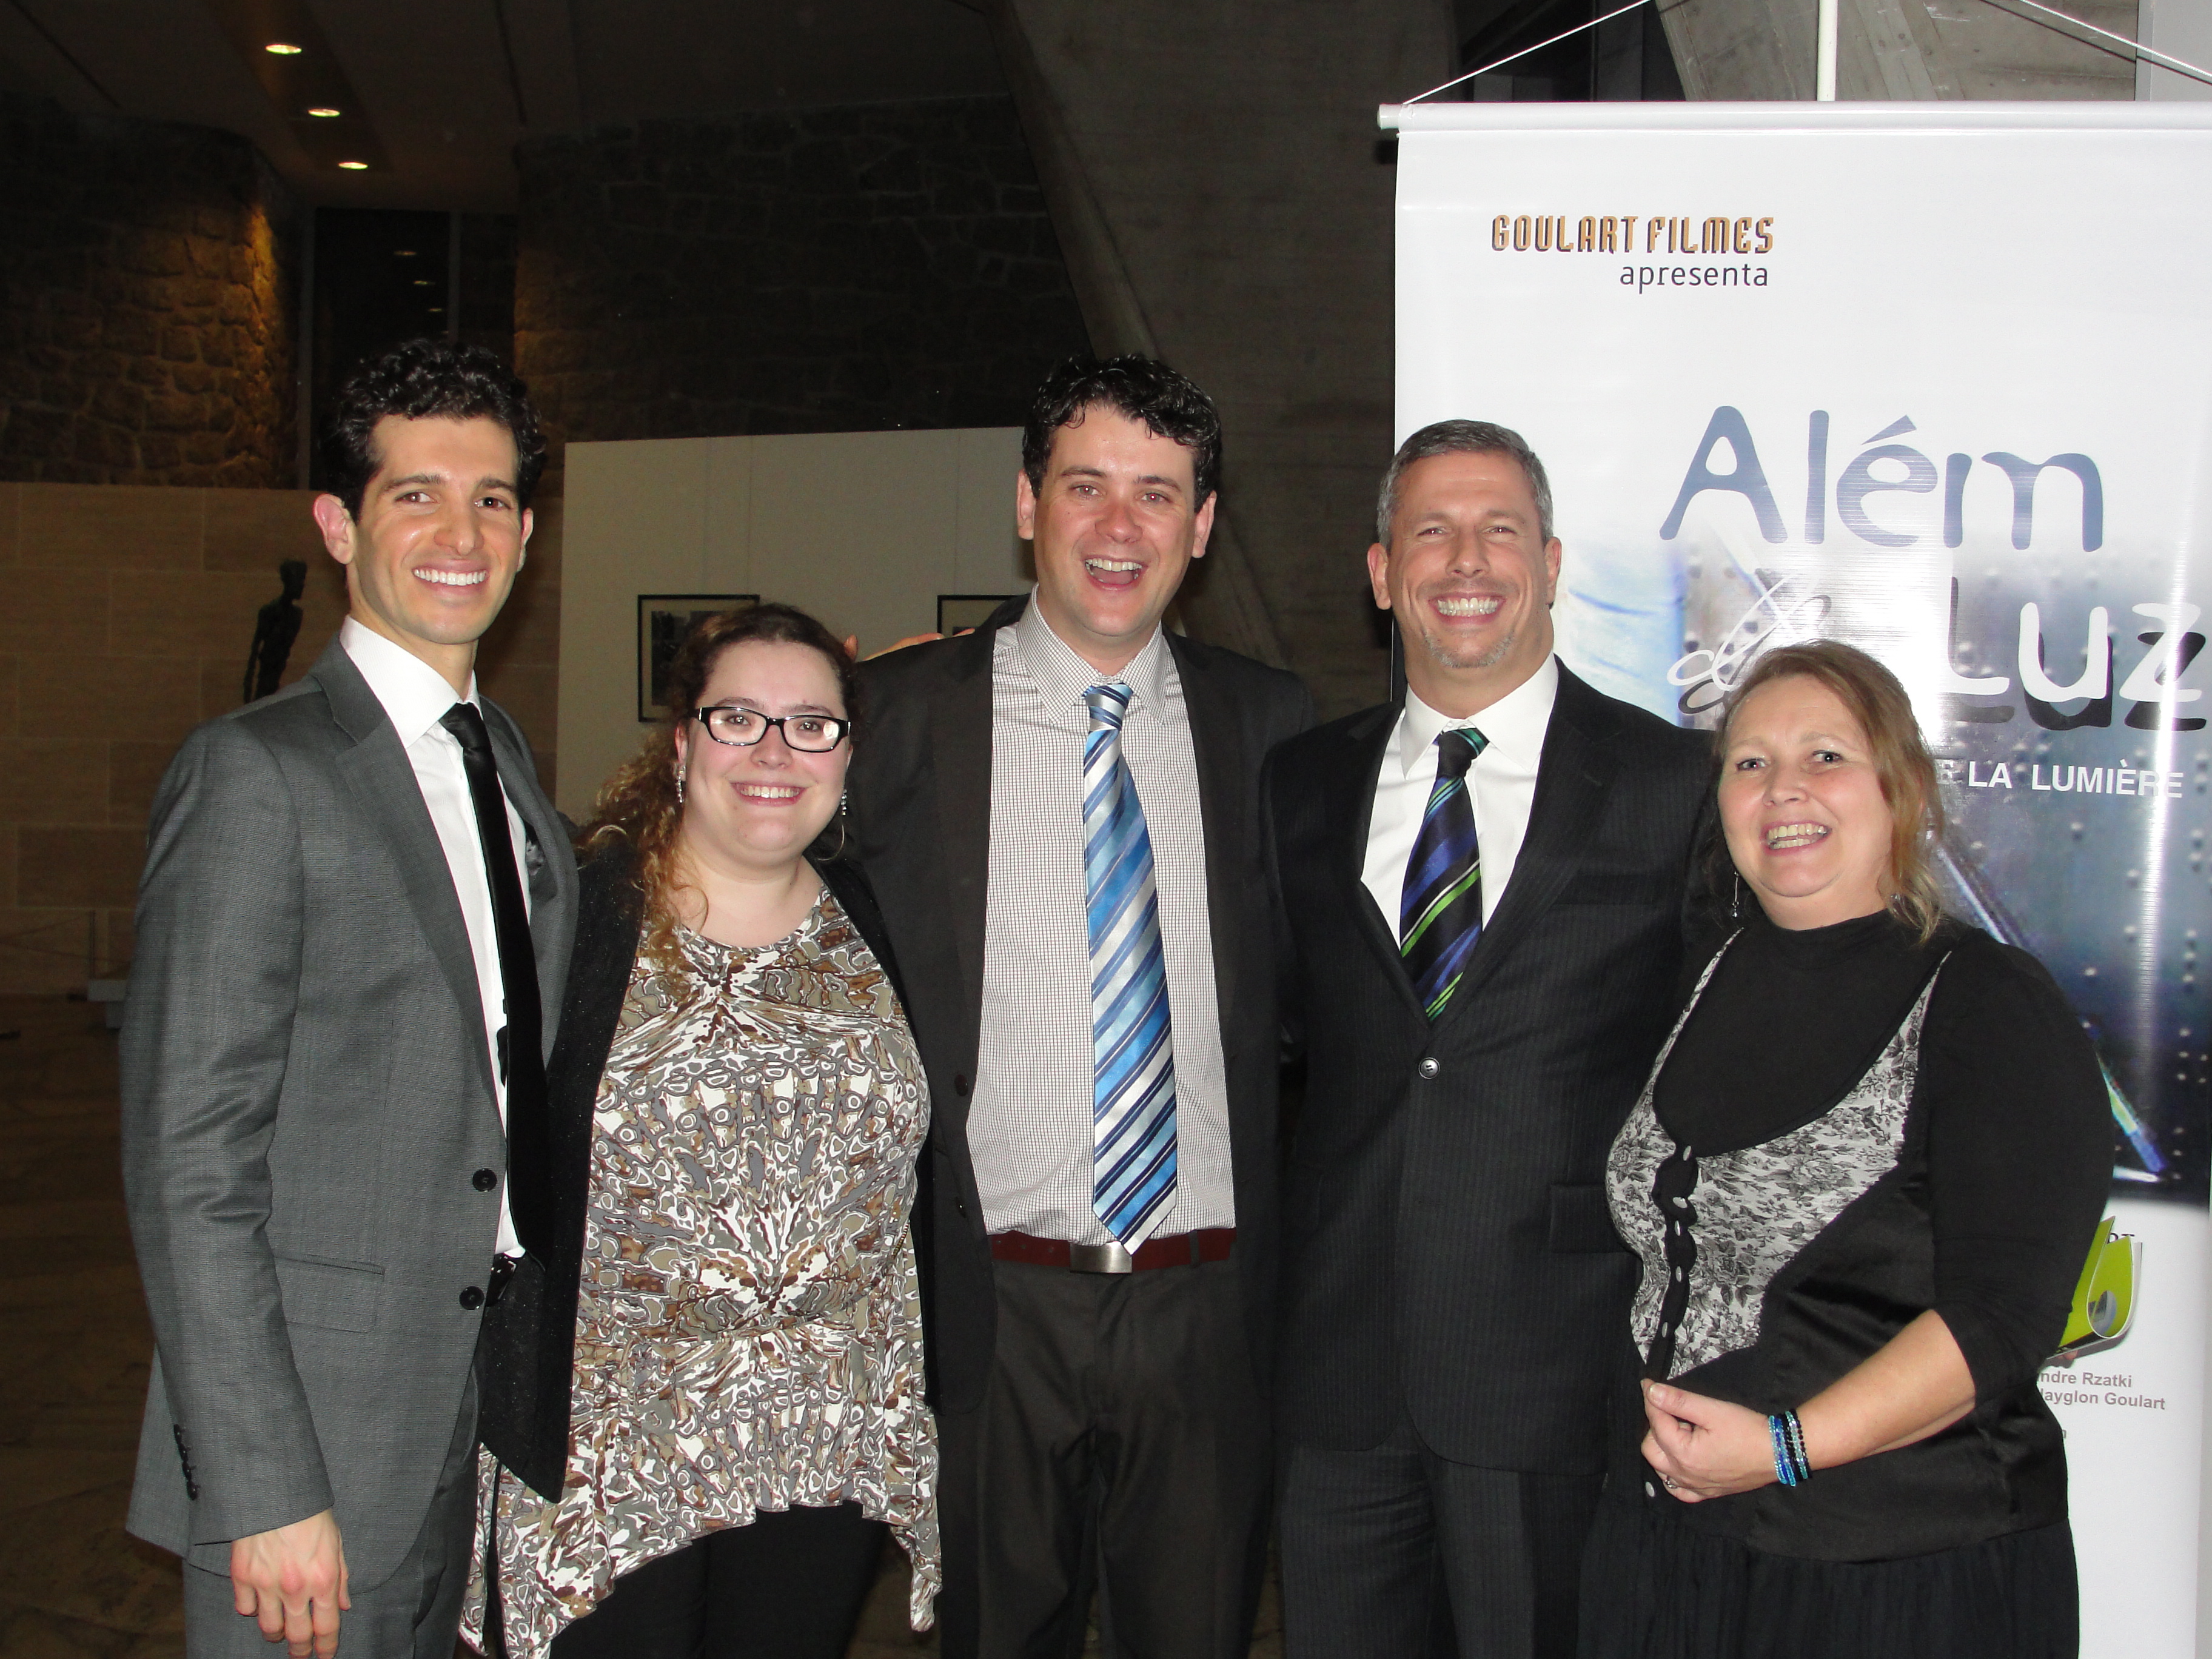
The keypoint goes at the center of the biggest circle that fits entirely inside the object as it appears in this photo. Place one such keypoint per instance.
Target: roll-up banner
(1935, 380)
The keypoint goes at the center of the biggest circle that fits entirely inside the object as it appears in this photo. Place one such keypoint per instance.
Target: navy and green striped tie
(1440, 912)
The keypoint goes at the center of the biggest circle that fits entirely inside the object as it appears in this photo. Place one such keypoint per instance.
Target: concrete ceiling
(447, 88)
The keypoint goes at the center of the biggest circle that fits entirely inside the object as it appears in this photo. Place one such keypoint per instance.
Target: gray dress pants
(414, 1614)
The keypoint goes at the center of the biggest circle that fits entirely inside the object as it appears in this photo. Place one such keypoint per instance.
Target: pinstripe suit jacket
(306, 1098)
(1448, 1255)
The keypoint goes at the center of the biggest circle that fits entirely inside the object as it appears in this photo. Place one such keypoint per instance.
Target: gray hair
(1463, 438)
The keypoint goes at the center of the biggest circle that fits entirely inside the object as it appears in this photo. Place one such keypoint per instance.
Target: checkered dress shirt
(1029, 1123)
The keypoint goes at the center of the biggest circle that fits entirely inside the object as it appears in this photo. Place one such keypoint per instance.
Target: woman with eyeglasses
(737, 1106)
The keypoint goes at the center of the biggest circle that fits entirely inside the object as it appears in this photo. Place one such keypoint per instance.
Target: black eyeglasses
(809, 734)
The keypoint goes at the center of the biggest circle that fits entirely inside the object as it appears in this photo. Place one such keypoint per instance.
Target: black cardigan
(525, 1355)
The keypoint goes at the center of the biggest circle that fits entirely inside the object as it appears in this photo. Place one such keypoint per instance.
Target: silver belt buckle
(1099, 1259)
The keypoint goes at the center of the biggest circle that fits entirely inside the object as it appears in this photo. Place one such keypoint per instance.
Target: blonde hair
(1877, 701)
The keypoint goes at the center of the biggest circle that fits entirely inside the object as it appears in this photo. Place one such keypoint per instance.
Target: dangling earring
(1735, 901)
(680, 786)
(844, 798)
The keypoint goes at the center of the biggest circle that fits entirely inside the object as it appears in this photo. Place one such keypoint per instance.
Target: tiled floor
(74, 1345)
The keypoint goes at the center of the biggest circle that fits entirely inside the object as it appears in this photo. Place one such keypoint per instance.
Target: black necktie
(521, 1056)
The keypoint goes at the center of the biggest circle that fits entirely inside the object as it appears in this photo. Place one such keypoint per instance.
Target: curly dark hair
(639, 803)
(419, 381)
(1141, 388)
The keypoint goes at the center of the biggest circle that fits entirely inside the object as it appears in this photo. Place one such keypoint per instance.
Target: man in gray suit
(352, 932)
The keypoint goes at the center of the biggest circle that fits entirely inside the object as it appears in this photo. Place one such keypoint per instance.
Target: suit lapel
(548, 875)
(1217, 746)
(1351, 796)
(959, 769)
(376, 768)
(1571, 779)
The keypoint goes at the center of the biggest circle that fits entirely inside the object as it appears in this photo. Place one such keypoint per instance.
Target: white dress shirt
(1029, 1119)
(416, 696)
(1502, 783)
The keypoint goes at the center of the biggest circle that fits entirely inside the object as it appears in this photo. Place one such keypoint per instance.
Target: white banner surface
(1935, 380)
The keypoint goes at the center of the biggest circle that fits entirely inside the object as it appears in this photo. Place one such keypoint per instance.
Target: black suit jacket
(1447, 1253)
(525, 1358)
(921, 812)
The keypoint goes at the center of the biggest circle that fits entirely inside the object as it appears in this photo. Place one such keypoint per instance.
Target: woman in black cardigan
(737, 1106)
(1862, 1179)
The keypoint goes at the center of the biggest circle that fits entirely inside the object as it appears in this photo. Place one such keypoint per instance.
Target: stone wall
(125, 618)
(147, 304)
(853, 268)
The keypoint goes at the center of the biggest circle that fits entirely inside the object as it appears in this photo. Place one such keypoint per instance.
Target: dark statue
(274, 631)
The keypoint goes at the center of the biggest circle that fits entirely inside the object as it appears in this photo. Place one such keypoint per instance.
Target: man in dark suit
(1485, 886)
(1060, 816)
(352, 932)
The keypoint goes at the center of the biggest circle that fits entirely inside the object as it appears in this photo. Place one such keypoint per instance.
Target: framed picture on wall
(665, 621)
(957, 610)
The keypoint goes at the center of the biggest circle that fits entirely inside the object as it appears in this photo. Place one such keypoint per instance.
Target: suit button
(1429, 1066)
(960, 1084)
(484, 1180)
(472, 1298)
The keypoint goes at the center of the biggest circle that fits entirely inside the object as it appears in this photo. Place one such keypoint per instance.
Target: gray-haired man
(1483, 974)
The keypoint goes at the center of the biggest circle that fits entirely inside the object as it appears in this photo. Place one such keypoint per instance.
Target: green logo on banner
(2105, 1297)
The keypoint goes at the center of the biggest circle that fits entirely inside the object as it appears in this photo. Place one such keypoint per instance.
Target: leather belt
(1176, 1251)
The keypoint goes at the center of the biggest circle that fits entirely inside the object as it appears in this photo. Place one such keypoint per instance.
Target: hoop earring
(680, 786)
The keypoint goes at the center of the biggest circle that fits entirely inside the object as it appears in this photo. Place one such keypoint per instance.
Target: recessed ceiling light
(326, 111)
(355, 167)
(283, 48)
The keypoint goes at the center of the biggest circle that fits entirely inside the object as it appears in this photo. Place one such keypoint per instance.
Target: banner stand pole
(1824, 55)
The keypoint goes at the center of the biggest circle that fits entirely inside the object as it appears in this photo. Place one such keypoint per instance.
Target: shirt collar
(1062, 677)
(415, 696)
(1514, 725)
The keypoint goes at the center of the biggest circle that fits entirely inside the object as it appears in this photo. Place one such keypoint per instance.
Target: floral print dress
(749, 1331)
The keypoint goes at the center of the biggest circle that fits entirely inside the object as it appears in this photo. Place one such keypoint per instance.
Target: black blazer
(528, 1350)
(921, 791)
(1447, 1251)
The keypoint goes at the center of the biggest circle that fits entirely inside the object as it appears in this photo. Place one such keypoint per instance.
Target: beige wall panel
(729, 559)
(989, 557)
(864, 529)
(633, 522)
(857, 527)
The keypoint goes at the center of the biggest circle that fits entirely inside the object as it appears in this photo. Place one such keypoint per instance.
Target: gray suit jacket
(306, 1102)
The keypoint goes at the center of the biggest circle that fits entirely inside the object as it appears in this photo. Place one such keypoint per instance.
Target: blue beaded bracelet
(1791, 1467)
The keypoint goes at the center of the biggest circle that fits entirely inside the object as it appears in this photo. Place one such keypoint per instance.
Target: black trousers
(789, 1586)
(1395, 1552)
(1122, 1444)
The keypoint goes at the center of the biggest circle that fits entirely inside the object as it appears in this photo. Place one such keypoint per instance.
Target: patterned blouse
(749, 1332)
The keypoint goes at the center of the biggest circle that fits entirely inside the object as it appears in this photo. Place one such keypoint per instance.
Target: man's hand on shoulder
(291, 1581)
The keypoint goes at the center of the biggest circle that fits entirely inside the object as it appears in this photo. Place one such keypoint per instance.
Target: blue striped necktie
(1440, 908)
(1132, 1049)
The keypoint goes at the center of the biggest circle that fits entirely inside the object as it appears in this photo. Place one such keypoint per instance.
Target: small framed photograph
(957, 610)
(665, 621)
